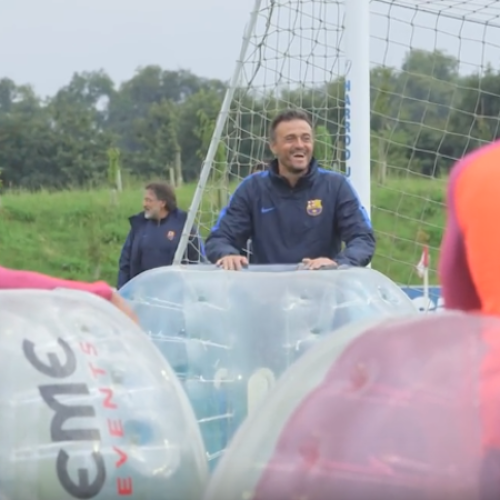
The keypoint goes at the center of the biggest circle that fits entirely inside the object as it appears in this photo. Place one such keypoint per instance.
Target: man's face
(293, 145)
(152, 206)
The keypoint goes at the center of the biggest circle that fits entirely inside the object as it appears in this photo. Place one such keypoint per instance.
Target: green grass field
(79, 234)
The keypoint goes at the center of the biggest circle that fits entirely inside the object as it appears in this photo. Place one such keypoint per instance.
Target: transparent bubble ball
(230, 335)
(88, 406)
(390, 409)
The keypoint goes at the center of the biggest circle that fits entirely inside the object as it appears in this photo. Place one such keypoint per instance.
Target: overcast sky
(43, 42)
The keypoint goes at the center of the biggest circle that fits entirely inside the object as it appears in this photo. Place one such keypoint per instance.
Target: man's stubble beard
(296, 170)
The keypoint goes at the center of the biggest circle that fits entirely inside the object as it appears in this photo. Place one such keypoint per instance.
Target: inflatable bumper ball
(88, 406)
(230, 335)
(395, 409)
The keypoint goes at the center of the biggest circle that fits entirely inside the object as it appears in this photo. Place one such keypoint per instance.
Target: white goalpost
(357, 98)
(397, 89)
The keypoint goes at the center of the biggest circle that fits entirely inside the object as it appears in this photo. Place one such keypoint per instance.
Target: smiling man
(294, 212)
(155, 233)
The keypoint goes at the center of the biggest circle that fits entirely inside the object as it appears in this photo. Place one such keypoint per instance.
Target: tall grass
(78, 234)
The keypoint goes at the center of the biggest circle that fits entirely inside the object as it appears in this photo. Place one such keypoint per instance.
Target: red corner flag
(423, 264)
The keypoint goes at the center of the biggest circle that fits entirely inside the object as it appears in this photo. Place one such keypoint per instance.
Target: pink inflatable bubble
(394, 409)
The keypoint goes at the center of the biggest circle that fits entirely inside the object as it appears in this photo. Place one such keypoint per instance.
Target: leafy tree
(219, 171)
(323, 147)
(425, 114)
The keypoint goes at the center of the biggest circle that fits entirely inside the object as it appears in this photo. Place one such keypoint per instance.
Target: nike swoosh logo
(265, 210)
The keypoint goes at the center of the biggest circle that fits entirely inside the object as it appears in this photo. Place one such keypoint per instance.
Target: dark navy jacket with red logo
(287, 225)
(151, 244)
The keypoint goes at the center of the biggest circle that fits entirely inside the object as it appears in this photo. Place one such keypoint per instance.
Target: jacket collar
(305, 180)
(139, 219)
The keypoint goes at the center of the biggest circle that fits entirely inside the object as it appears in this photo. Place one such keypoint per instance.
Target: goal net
(431, 94)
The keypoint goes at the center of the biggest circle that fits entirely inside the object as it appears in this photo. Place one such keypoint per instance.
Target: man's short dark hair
(287, 116)
(164, 192)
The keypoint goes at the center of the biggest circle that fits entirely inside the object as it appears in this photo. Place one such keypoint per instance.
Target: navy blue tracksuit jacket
(151, 244)
(287, 225)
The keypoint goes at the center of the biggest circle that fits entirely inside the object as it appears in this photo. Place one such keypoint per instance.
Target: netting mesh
(435, 94)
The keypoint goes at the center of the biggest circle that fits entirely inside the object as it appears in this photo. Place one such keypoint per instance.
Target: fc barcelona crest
(171, 235)
(314, 207)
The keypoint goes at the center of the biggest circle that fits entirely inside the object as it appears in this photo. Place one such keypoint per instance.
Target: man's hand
(232, 262)
(121, 304)
(314, 264)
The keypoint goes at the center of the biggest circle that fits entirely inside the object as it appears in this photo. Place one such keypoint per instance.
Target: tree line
(424, 115)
